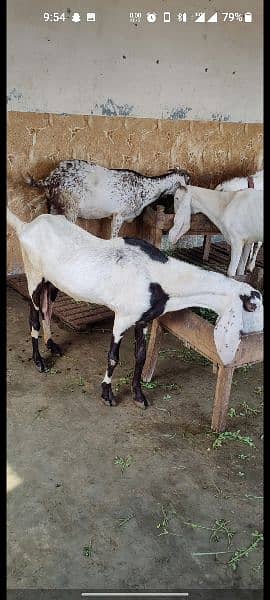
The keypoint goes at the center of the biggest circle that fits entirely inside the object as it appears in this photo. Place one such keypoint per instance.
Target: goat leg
(113, 359)
(35, 327)
(243, 260)
(236, 251)
(253, 257)
(116, 225)
(48, 296)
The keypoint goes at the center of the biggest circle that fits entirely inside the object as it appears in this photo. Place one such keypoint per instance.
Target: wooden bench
(198, 334)
(157, 222)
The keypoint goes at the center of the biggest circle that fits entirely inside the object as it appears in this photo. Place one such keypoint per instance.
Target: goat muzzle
(247, 301)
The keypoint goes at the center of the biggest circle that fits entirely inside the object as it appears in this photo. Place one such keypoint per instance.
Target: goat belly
(78, 285)
(86, 211)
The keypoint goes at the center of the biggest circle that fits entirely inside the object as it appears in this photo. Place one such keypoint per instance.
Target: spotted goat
(77, 188)
(131, 277)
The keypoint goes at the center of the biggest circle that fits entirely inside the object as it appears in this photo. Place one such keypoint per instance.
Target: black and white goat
(131, 277)
(77, 188)
(255, 181)
(238, 215)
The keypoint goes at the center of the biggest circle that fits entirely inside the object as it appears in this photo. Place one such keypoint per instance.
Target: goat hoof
(40, 364)
(109, 401)
(54, 348)
(107, 395)
(142, 401)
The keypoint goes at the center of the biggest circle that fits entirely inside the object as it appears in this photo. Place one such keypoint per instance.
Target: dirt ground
(119, 498)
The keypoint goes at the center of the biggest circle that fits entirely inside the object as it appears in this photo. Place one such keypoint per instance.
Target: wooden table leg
(156, 233)
(206, 247)
(152, 351)
(222, 397)
(256, 278)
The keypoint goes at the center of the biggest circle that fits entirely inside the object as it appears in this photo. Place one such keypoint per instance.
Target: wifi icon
(213, 19)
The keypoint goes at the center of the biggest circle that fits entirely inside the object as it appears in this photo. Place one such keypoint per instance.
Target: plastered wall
(194, 71)
(211, 151)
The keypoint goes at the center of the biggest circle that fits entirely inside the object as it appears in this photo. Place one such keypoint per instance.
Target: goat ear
(182, 207)
(254, 320)
(227, 331)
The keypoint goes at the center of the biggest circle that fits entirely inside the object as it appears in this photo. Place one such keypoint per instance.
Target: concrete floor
(66, 492)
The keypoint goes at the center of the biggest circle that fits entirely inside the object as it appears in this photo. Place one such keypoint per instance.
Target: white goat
(134, 279)
(242, 183)
(77, 188)
(255, 181)
(238, 215)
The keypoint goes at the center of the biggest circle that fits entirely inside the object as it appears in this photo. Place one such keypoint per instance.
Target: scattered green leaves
(245, 369)
(124, 520)
(243, 456)
(232, 436)
(170, 436)
(88, 550)
(123, 381)
(248, 410)
(244, 552)
(258, 390)
(170, 386)
(257, 567)
(206, 313)
(52, 371)
(189, 355)
(123, 463)
(168, 353)
(251, 496)
(220, 529)
(245, 411)
(164, 523)
(149, 385)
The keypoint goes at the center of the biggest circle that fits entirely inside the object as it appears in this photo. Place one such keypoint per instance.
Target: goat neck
(210, 203)
(155, 186)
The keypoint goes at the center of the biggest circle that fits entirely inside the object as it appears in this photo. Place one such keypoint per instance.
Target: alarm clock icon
(151, 17)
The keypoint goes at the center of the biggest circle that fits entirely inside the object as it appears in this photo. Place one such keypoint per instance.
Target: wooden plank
(189, 327)
(152, 351)
(206, 247)
(199, 333)
(250, 350)
(156, 230)
(200, 224)
(222, 397)
(102, 227)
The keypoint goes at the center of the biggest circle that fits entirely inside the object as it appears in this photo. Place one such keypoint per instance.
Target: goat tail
(39, 183)
(15, 222)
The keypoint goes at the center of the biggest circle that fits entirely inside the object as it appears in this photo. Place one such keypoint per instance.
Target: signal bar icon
(200, 18)
(213, 19)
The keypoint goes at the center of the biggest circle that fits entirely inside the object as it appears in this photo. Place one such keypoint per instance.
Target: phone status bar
(148, 17)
